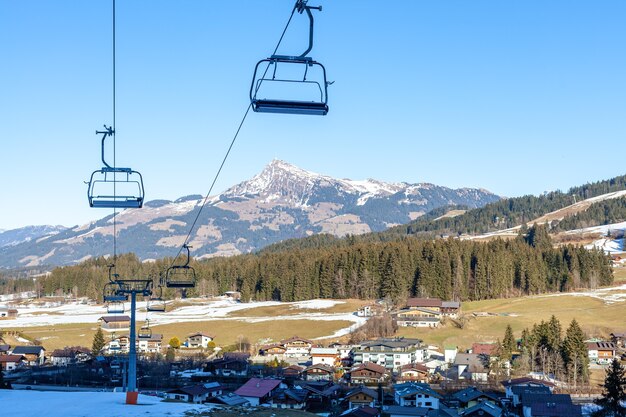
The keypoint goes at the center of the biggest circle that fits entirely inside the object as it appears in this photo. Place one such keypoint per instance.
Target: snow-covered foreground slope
(199, 310)
(23, 403)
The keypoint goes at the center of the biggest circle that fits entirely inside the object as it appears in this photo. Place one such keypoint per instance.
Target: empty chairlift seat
(116, 188)
(296, 85)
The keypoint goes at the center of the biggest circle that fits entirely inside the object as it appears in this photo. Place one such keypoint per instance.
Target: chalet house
(324, 356)
(483, 409)
(293, 372)
(411, 320)
(392, 353)
(518, 393)
(70, 355)
(8, 313)
(549, 405)
(368, 373)
(150, 344)
(297, 347)
(33, 355)
(231, 364)
(258, 391)
(450, 308)
(231, 400)
(319, 372)
(199, 340)
(10, 362)
(110, 323)
(470, 366)
(291, 398)
(469, 397)
(370, 310)
(361, 396)
(411, 394)
(415, 372)
(5, 349)
(193, 394)
(322, 394)
(274, 350)
(601, 353)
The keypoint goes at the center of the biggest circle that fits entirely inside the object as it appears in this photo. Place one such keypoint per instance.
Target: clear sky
(516, 97)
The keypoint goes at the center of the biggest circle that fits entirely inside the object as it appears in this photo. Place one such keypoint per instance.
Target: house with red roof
(10, 362)
(258, 391)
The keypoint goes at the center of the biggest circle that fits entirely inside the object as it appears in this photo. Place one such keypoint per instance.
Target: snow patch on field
(200, 310)
(317, 304)
(609, 295)
(92, 404)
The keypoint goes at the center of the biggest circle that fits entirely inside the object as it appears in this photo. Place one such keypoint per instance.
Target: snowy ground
(609, 295)
(199, 310)
(22, 403)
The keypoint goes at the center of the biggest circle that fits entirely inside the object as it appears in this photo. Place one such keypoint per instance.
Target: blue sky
(515, 97)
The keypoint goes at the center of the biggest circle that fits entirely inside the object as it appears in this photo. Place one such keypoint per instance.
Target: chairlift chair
(114, 187)
(145, 332)
(181, 276)
(314, 105)
(156, 304)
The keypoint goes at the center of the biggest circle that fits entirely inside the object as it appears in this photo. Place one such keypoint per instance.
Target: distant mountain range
(281, 202)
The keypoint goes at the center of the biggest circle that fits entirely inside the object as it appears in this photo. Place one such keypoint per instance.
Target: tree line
(450, 269)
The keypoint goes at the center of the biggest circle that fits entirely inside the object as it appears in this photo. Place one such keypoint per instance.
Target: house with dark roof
(116, 322)
(5, 349)
(361, 396)
(364, 411)
(392, 353)
(291, 398)
(232, 400)
(411, 394)
(8, 313)
(192, 394)
(601, 353)
(258, 391)
(469, 397)
(228, 365)
(519, 392)
(548, 405)
(322, 394)
(33, 355)
(293, 372)
(70, 355)
(297, 347)
(482, 409)
(319, 372)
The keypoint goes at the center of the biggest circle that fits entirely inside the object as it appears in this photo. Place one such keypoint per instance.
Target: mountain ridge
(283, 201)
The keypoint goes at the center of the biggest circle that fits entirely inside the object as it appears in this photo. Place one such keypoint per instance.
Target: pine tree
(508, 344)
(98, 342)
(614, 392)
(574, 352)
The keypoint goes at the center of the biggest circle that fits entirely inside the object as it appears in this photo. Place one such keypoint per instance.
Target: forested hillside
(509, 212)
(446, 268)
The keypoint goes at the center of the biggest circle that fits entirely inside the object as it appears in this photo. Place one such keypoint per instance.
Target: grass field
(596, 317)
(226, 331)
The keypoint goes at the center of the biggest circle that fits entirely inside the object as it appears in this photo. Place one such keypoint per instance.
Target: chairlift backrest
(181, 276)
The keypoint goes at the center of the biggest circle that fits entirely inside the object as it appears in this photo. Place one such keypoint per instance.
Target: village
(384, 375)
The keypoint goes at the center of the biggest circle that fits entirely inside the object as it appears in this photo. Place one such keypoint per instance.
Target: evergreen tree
(574, 351)
(170, 355)
(614, 392)
(508, 344)
(98, 342)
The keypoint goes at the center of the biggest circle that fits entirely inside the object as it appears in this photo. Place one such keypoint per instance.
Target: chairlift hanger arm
(301, 5)
(107, 132)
